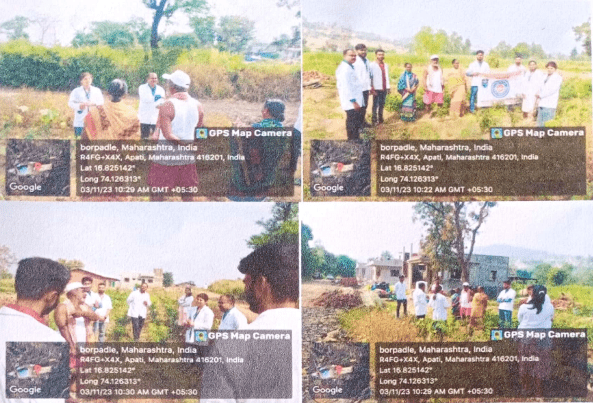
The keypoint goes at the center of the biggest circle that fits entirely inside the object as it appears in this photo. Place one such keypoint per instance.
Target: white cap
(466, 284)
(178, 78)
(73, 286)
(434, 57)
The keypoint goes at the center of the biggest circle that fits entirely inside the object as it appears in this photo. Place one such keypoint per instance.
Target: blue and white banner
(499, 88)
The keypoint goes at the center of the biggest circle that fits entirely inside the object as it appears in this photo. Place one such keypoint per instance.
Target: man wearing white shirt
(380, 86)
(232, 318)
(505, 300)
(350, 92)
(138, 303)
(547, 96)
(420, 300)
(514, 68)
(105, 306)
(475, 69)
(465, 301)
(90, 297)
(272, 291)
(532, 82)
(434, 83)
(517, 66)
(151, 97)
(400, 295)
(362, 67)
(38, 283)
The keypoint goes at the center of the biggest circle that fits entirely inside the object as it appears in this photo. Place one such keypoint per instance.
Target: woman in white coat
(82, 99)
(202, 319)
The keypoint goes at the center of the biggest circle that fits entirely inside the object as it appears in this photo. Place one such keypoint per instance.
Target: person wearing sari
(114, 120)
(407, 86)
(457, 90)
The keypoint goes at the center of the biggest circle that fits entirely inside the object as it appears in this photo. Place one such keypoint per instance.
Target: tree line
(232, 34)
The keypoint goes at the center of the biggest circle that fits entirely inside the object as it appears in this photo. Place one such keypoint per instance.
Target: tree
(540, 273)
(71, 264)
(166, 8)
(15, 28)
(450, 227)
(574, 54)
(234, 33)
(282, 227)
(82, 39)
(7, 259)
(186, 41)
(205, 30)
(425, 42)
(503, 50)
(583, 33)
(114, 34)
(346, 266)
(521, 49)
(167, 279)
(386, 255)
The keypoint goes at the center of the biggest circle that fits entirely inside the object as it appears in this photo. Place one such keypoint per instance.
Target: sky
(484, 22)
(199, 242)
(73, 15)
(557, 227)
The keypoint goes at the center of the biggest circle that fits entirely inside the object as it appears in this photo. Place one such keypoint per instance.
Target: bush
(214, 74)
(233, 287)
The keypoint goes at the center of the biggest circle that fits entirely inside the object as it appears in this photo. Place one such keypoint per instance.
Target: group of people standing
(358, 78)
(196, 315)
(470, 304)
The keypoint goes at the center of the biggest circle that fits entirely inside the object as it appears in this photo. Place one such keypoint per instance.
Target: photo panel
(495, 309)
(168, 100)
(118, 301)
(453, 101)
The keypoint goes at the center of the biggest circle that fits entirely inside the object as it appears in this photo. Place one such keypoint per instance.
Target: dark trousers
(353, 124)
(505, 318)
(363, 109)
(379, 105)
(146, 130)
(137, 324)
(403, 302)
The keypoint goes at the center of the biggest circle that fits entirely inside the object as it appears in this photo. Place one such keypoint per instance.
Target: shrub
(214, 74)
(233, 287)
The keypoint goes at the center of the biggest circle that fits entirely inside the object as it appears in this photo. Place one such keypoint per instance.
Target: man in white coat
(151, 97)
(420, 300)
(475, 69)
(350, 92)
(380, 86)
(362, 67)
(232, 318)
(138, 303)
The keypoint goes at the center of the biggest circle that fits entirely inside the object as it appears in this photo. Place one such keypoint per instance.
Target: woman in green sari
(407, 86)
